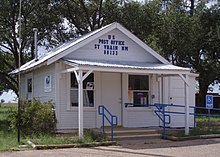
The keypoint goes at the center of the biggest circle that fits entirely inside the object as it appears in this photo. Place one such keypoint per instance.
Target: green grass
(51, 139)
(89, 137)
(8, 137)
(203, 127)
(203, 123)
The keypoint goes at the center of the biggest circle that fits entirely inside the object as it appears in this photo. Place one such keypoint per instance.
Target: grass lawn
(89, 137)
(8, 137)
(203, 127)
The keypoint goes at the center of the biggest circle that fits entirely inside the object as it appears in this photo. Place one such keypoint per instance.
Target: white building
(109, 66)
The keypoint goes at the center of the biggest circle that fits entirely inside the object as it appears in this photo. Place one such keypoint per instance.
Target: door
(111, 94)
(176, 97)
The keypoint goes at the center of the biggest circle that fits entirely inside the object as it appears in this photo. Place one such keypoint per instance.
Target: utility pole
(19, 75)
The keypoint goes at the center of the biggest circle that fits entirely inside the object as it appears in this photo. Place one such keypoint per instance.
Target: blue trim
(102, 110)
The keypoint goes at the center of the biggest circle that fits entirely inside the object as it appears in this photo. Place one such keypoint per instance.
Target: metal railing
(160, 110)
(102, 110)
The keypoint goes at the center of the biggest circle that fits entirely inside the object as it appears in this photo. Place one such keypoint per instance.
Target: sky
(9, 96)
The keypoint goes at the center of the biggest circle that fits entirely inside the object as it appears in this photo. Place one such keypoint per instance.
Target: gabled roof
(66, 48)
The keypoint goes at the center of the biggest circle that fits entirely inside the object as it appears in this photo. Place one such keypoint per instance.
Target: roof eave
(16, 71)
(132, 70)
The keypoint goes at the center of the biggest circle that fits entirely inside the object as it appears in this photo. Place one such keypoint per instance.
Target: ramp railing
(105, 113)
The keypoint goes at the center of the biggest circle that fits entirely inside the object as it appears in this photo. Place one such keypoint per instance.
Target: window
(29, 85)
(138, 86)
(88, 91)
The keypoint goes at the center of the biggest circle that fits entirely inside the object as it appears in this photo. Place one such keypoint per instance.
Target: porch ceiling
(128, 67)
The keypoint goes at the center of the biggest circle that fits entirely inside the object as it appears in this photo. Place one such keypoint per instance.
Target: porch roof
(124, 66)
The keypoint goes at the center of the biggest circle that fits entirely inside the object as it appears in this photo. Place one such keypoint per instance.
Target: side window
(29, 85)
(138, 86)
(88, 91)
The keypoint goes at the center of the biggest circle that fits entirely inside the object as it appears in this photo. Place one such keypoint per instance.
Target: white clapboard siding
(134, 53)
(38, 77)
(69, 120)
(68, 117)
(23, 87)
(140, 117)
(38, 83)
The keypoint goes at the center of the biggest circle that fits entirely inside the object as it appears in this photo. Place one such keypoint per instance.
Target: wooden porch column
(186, 84)
(186, 88)
(80, 101)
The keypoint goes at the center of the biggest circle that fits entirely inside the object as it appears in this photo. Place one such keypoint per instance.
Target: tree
(84, 16)
(35, 14)
(176, 33)
(208, 46)
(140, 19)
(192, 41)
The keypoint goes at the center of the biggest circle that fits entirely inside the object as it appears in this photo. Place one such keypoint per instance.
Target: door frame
(99, 95)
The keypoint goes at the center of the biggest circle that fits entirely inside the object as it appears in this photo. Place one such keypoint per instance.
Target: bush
(36, 118)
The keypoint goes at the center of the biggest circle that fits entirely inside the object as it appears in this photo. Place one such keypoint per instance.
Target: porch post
(186, 105)
(80, 100)
(186, 88)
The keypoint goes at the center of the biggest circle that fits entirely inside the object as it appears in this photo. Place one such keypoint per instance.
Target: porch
(111, 88)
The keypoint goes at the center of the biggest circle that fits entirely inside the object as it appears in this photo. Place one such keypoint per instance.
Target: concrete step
(133, 133)
(132, 137)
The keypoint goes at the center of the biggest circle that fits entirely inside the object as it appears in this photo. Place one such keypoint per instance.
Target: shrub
(36, 117)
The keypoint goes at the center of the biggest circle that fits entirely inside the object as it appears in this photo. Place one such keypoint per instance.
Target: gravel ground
(148, 148)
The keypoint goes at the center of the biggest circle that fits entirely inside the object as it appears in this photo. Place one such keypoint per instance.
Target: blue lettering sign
(111, 45)
(97, 46)
(124, 48)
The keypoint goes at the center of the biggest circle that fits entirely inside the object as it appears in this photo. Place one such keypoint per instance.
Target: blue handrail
(160, 108)
(102, 110)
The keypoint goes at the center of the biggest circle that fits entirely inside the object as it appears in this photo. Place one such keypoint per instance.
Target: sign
(209, 101)
(47, 83)
(111, 45)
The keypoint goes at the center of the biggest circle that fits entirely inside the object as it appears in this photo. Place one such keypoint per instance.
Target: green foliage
(46, 139)
(36, 118)
(176, 35)
(8, 138)
(39, 14)
(190, 39)
(204, 127)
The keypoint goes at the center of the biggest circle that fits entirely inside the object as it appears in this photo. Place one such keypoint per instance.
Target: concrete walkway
(148, 148)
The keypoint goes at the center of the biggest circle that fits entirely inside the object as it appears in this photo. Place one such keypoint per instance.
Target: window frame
(69, 89)
(31, 86)
(140, 90)
(29, 95)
